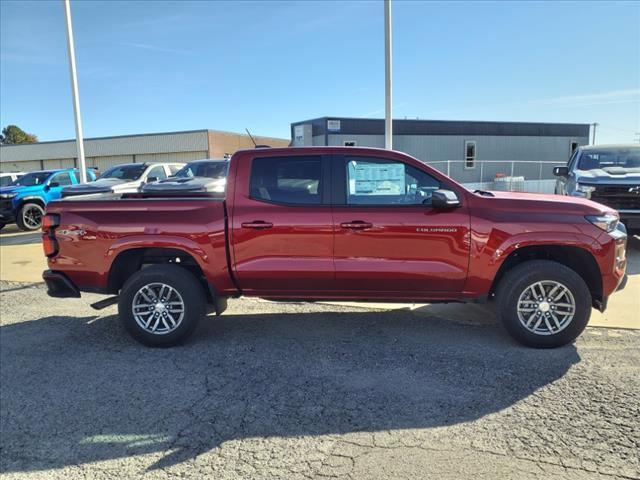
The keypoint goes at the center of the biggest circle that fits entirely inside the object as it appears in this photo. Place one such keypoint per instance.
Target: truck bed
(95, 231)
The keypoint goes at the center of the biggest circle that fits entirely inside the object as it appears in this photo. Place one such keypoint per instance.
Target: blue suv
(23, 200)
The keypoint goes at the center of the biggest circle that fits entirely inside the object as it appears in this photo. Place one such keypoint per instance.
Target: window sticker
(376, 178)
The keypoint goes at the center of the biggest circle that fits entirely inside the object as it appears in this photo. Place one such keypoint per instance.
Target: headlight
(7, 195)
(584, 190)
(607, 222)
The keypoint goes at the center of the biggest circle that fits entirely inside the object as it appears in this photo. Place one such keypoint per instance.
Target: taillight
(50, 221)
(49, 242)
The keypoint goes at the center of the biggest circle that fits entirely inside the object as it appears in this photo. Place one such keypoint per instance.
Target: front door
(56, 183)
(388, 237)
(282, 230)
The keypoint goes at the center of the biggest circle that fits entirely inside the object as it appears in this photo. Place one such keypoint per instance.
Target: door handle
(356, 225)
(257, 225)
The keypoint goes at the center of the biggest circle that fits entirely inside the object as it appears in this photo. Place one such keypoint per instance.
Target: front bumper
(59, 285)
(630, 218)
(6, 211)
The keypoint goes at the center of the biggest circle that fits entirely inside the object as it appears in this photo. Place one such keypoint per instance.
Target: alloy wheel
(546, 307)
(158, 308)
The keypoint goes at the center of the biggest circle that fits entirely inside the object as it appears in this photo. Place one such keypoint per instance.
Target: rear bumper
(59, 285)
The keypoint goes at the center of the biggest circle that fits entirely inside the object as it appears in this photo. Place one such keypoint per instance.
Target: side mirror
(561, 171)
(152, 179)
(443, 199)
(54, 184)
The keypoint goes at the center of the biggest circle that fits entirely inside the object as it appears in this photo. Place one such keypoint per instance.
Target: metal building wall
(439, 148)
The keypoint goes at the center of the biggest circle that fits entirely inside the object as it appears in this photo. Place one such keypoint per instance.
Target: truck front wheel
(160, 305)
(543, 304)
(30, 217)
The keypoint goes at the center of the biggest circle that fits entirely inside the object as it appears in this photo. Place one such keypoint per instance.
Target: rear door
(282, 228)
(389, 240)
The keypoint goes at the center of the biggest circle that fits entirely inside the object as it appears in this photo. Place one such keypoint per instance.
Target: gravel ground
(308, 391)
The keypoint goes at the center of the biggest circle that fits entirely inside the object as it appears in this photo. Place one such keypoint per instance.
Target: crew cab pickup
(607, 174)
(339, 223)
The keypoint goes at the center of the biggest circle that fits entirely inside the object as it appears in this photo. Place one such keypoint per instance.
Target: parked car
(7, 177)
(23, 201)
(342, 223)
(125, 178)
(207, 176)
(605, 174)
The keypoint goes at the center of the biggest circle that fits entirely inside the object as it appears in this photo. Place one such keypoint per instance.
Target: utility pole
(388, 115)
(594, 124)
(74, 93)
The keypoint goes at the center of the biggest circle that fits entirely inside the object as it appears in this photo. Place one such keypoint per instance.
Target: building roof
(164, 142)
(375, 126)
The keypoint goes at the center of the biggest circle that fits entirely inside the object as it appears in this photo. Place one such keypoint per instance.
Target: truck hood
(24, 190)
(538, 202)
(191, 184)
(610, 175)
(102, 185)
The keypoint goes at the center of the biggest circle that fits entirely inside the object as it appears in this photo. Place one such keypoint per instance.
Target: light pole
(388, 122)
(74, 93)
(594, 132)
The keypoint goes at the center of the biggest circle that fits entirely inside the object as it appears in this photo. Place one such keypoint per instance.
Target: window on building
(469, 154)
(61, 179)
(290, 180)
(378, 181)
(350, 143)
(574, 146)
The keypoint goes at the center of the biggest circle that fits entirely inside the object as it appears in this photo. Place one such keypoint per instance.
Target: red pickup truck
(342, 224)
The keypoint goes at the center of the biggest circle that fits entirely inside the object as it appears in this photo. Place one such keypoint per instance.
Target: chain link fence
(505, 175)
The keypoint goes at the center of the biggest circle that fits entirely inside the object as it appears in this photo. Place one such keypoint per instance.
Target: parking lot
(295, 390)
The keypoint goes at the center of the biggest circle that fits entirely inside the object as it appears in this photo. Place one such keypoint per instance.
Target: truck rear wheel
(160, 305)
(543, 304)
(30, 217)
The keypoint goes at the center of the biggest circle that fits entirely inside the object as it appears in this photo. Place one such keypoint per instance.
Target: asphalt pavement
(294, 390)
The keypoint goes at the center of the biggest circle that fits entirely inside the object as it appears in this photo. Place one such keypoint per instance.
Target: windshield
(125, 172)
(31, 179)
(623, 158)
(203, 169)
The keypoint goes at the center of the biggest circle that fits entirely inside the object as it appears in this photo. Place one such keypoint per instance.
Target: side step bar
(107, 302)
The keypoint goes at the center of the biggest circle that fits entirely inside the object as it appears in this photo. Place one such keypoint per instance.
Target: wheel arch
(576, 258)
(22, 201)
(131, 260)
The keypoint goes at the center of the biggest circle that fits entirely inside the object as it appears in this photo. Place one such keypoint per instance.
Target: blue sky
(164, 66)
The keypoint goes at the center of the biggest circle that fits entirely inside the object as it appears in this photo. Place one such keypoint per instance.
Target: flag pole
(74, 93)
(388, 125)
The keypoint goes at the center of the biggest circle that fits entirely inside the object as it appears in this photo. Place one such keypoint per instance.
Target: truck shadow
(79, 390)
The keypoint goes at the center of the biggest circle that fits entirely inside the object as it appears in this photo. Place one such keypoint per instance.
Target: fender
(21, 200)
(540, 239)
(213, 266)
(158, 241)
(485, 261)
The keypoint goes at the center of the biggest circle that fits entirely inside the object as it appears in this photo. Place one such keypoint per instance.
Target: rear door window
(293, 180)
(157, 172)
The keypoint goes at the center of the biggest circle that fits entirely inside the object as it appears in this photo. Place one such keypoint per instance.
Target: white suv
(125, 178)
(8, 177)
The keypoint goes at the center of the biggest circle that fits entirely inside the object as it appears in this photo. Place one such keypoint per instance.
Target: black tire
(32, 210)
(516, 282)
(181, 281)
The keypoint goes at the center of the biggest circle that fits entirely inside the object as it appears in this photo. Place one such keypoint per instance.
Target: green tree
(12, 135)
